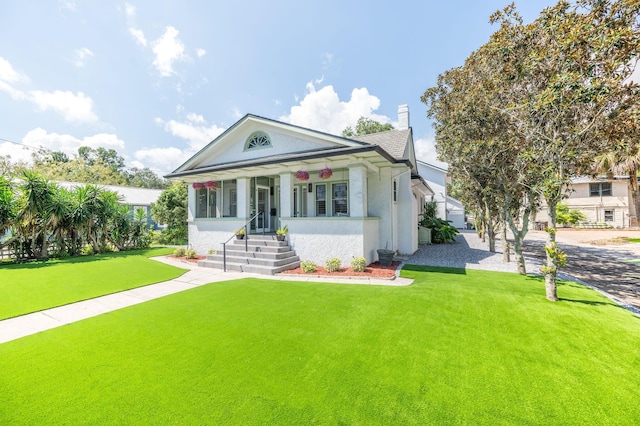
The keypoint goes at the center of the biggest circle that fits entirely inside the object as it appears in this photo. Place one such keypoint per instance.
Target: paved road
(604, 266)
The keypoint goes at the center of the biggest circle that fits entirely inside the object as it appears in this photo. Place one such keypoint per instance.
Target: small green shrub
(179, 252)
(332, 265)
(86, 250)
(212, 251)
(190, 254)
(308, 266)
(358, 264)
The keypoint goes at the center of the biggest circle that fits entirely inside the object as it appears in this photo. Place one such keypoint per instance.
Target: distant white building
(448, 208)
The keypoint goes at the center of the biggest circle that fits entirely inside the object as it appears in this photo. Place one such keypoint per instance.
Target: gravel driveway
(605, 267)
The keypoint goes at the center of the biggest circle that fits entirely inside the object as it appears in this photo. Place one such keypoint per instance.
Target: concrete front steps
(266, 255)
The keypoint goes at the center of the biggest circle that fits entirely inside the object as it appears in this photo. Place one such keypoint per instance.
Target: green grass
(34, 286)
(633, 240)
(456, 347)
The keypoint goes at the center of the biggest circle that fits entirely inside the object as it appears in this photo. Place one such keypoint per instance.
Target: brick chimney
(403, 117)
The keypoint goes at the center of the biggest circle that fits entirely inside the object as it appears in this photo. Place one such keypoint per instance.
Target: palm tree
(86, 209)
(624, 160)
(33, 213)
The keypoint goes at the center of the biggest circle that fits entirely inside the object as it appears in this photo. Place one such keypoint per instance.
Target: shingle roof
(394, 142)
(129, 194)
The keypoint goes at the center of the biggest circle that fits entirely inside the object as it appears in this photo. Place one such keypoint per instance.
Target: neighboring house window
(600, 189)
(206, 203)
(339, 199)
(609, 215)
(257, 140)
(321, 200)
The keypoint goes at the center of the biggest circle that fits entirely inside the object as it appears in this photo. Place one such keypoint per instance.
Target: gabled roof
(392, 141)
(393, 146)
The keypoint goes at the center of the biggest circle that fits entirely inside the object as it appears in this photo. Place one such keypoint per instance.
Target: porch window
(206, 203)
(321, 200)
(335, 203)
(600, 189)
(339, 199)
(219, 202)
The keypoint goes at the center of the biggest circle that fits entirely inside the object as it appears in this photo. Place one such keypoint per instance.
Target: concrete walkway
(25, 325)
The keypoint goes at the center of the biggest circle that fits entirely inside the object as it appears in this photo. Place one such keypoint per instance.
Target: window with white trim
(600, 189)
(339, 199)
(609, 215)
(206, 199)
(321, 199)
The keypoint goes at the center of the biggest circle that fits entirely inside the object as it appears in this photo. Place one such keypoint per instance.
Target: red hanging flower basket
(211, 184)
(302, 175)
(197, 185)
(325, 173)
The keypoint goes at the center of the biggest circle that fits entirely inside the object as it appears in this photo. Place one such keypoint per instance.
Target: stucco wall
(207, 234)
(318, 239)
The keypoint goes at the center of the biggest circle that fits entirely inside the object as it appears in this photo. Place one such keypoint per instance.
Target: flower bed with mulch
(184, 259)
(374, 270)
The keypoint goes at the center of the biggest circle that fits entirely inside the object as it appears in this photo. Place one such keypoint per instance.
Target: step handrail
(246, 238)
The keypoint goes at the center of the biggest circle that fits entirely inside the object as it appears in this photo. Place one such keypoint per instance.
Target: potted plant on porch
(240, 233)
(282, 233)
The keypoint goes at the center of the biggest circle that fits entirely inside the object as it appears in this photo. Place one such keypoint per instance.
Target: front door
(263, 221)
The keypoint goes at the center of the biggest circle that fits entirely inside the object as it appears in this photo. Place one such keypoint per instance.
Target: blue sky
(157, 80)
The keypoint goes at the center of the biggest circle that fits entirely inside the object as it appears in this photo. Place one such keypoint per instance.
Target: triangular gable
(285, 139)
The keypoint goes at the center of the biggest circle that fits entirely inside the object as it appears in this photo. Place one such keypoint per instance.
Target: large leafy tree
(549, 96)
(171, 209)
(366, 126)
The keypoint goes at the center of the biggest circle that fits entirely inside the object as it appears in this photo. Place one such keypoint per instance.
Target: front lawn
(34, 286)
(457, 346)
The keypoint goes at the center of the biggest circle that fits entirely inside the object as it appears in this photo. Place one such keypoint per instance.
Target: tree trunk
(635, 194)
(490, 230)
(551, 271)
(506, 250)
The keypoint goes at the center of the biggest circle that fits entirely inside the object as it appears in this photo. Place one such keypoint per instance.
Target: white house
(338, 197)
(448, 208)
(601, 200)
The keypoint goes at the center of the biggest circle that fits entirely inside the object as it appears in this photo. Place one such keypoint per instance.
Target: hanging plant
(302, 175)
(325, 173)
(197, 185)
(211, 184)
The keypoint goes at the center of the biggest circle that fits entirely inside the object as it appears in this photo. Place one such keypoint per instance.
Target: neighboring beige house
(338, 197)
(602, 200)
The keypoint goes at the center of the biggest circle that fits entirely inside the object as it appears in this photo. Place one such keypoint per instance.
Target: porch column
(244, 194)
(286, 193)
(358, 190)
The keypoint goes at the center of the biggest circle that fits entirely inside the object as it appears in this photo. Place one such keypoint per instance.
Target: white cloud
(81, 55)
(130, 10)
(327, 60)
(323, 110)
(68, 4)
(74, 107)
(139, 37)
(68, 144)
(237, 115)
(9, 75)
(168, 49)
(426, 151)
(195, 130)
(200, 52)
